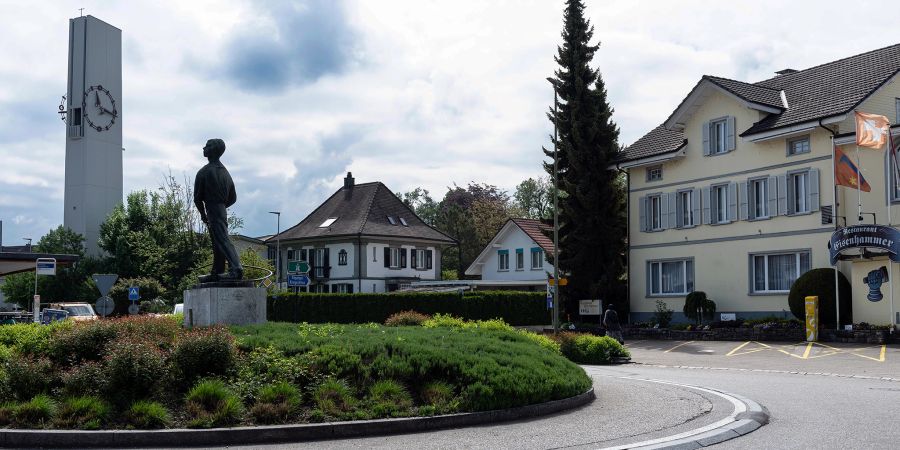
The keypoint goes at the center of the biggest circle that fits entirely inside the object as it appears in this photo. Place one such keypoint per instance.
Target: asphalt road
(818, 396)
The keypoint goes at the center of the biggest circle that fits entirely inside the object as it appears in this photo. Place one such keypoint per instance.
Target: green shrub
(30, 338)
(696, 303)
(820, 282)
(494, 324)
(27, 376)
(440, 396)
(663, 314)
(204, 352)
(87, 413)
(211, 404)
(147, 415)
(276, 403)
(34, 413)
(517, 308)
(83, 341)
(388, 398)
(135, 369)
(446, 321)
(333, 397)
(589, 349)
(336, 361)
(406, 318)
(87, 378)
(7, 413)
(541, 340)
(266, 365)
(159, 330)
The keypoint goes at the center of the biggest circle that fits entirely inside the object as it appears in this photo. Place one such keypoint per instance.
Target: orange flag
(871, 130)
(846, 173)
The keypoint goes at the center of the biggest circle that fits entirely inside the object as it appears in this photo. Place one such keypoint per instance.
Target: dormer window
(654, 173)
(718, 136)
(327, 223)
(403, 221)
(392, 220)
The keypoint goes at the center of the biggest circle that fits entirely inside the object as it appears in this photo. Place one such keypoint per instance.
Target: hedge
(516, 308)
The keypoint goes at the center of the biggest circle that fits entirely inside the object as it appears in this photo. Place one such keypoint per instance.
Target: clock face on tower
(99, 108)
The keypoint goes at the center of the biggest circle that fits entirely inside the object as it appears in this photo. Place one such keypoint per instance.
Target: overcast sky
(410, 93)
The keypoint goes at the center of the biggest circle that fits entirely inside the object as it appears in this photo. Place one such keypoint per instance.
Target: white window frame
(755, 203)
(892, 186)
(766, 291)
(654, 212)
(394, 263)
(719, 214)
(520, 259)
(654, 173)
(342, 257)
(684, 201)
(792, 142)
(420, 258)
(718, 132)
(687, 274)
(799, 184)
(503, 262)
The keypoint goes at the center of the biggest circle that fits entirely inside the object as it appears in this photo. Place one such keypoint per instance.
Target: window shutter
(403, 258)
(695, 202)
(744, 189)
(782, 196)
(327, 262)
(663, 211)
(350, 288)
(649, 278)
(428, 259)
(706, 208)
(729, 134)
(732, 201)
(387, 257)
(643, 213)
(312, 258)
(706, 138)
(772, 192)
(813, 191)
(412, 257)
(672, 208)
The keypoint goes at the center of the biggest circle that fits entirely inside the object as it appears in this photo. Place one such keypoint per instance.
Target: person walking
(611, 322)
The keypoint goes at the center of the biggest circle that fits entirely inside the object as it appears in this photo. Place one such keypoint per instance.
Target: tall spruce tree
(592, 205)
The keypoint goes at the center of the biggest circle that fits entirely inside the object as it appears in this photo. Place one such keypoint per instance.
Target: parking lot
(813, 357)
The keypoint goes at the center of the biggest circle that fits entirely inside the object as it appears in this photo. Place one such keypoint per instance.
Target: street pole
(555, 216)
(277, 247)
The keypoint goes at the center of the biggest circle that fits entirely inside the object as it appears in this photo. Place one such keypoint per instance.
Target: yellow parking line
(880, 356)
(679, 345)
(737, 348)
(808, 348)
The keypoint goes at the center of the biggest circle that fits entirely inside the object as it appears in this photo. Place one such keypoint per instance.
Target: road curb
(279, 433)
(747, 417)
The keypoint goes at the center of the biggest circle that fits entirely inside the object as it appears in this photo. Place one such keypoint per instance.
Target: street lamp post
(277, 248)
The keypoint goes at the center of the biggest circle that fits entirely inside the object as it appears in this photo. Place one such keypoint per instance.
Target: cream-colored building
(733, 195)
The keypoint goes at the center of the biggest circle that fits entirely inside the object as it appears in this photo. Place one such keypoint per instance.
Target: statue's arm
(232, 195)
(198, 198)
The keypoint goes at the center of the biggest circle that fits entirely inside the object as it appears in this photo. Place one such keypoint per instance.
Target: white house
(517, 256)
(363, 239)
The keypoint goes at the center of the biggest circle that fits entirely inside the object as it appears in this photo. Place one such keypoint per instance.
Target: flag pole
(893, 163)
(834, 217)
(858, 188)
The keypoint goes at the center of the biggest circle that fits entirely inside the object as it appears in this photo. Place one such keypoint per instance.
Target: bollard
(812, 318)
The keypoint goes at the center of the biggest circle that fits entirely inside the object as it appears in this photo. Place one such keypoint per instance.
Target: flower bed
(145, 373)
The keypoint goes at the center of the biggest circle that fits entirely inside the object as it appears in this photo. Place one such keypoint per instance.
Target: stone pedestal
(224, 305)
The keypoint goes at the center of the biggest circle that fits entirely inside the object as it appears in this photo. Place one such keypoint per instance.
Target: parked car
(77, 311)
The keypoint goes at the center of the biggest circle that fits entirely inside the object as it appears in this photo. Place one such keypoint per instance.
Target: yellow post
(812, 318)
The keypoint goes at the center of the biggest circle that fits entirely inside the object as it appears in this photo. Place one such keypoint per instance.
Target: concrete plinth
(224, 305)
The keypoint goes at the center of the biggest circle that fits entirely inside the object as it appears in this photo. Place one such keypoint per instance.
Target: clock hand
(102, 109)
(96, 99)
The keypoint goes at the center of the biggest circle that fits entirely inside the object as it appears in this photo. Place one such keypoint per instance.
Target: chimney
(348, 185)
(785, 72)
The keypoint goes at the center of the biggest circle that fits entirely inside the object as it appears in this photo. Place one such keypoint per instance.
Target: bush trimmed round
(820, 282)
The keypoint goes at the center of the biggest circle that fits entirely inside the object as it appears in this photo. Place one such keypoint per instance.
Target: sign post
(298, 274)
(104, 282)
(42, 266)
(133, 296)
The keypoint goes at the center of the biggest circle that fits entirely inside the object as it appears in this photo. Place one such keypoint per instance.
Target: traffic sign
(298, 280)
(104, 306)
(104, 282)
(562, 282)
(298, 267)
(133, 309)
(133, 294)
(45, 266)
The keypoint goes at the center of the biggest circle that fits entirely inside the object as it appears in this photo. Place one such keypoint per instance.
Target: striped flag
(846, 173)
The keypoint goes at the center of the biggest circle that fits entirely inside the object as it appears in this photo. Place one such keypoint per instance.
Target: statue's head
(214, 148)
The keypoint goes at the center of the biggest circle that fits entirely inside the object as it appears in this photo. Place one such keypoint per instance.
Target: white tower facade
(93, 127)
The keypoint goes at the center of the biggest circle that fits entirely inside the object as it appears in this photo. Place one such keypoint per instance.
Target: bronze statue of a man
(213, 194)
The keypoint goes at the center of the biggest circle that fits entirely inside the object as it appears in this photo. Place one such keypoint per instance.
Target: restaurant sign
(865, 236)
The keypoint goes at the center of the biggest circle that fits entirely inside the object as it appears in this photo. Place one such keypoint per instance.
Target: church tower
(93, 127)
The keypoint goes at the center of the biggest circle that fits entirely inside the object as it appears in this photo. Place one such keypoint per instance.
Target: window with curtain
(655, 212)
(799, 182)
(720, 203)
(776, 272)
(503, 260)
(537, 258)
(759, 196)
(685, 209)
(674, 277)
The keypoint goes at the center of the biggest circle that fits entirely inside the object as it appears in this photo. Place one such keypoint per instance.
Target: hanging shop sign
(865, 236)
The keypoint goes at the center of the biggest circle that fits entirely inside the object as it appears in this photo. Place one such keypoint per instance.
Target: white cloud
(429, 93)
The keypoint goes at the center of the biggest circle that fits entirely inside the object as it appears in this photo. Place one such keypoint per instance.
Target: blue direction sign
(298, 280)
(133, 294)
